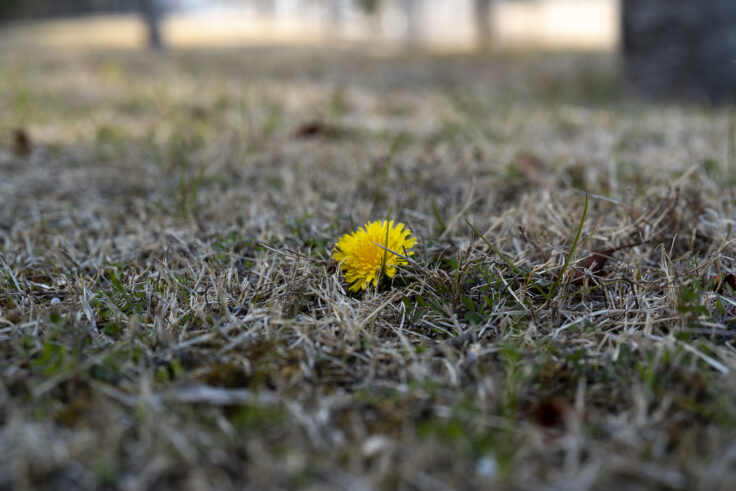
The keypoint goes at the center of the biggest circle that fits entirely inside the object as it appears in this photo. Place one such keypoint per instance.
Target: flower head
(361, 255)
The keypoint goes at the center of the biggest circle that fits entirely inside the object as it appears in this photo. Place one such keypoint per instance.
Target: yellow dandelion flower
(361, 257)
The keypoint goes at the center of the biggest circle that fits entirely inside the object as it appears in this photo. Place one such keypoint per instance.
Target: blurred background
(669, 47)
(445, 25)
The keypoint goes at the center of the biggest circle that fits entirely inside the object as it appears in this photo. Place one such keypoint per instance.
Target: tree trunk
(410, 8)
(152, 13)
(483, 23)
(336, 12)
(680, 48)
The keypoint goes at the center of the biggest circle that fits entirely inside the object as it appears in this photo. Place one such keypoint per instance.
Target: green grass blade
(438, 217)
(556, 284)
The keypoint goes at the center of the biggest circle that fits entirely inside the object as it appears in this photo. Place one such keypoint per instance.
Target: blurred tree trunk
(483, 23)
(336, 12)
(410, 8)
(680, 48)
(335, 18)
(152, 12)
(266, 7)
(370, 6)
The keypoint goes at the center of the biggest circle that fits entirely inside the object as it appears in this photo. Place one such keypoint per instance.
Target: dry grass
(170, 317)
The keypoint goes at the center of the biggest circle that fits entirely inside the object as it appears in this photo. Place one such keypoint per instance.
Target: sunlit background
(438, 25)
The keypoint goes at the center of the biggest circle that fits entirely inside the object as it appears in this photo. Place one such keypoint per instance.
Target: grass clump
(171, 316)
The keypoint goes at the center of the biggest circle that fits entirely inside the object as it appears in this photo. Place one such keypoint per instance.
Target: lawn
(171, 316)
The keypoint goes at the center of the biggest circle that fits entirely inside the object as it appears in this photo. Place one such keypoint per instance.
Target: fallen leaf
(719, 283)
(594, 264)
(315, 128)
(591, 266)
(533, 169)
(22, 144)
(549, 412)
